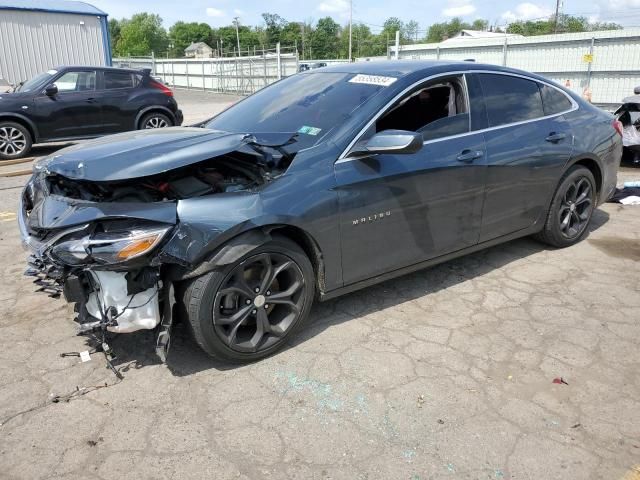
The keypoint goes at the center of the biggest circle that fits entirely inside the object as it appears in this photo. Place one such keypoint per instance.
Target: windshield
(36, 81)
(311, 104)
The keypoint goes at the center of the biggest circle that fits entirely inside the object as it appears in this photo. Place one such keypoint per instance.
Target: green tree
(226, 38)
(566, 24)
(114, 32)
(441, 31)
(325, 42)
(182, 34)
(141, 35)
(275, 24)
(390, 26)
(411, 29)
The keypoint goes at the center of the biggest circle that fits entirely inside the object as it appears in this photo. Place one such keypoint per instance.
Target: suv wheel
(248, 309)
(15, 141)
(571, 208)
(155, 120)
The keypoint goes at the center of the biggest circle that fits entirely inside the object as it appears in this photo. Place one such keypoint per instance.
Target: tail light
(617, 124)
(163, 88)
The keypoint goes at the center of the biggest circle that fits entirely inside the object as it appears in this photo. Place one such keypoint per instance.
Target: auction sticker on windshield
(373, 80)
(310, 130)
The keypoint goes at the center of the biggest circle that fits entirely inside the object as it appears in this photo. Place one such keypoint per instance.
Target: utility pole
(302, 29)
(397, 44)
(558, 9)
(350, 26)
(236, 22)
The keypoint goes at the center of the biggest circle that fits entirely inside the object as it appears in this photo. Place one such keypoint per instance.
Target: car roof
(400, 68)
(93, 67)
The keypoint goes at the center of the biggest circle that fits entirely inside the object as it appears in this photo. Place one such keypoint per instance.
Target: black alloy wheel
(576, 207)
(258, 302)
(571, 208)
(247, 310)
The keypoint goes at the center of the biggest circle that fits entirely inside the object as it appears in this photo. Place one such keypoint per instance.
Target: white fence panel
(612, 74)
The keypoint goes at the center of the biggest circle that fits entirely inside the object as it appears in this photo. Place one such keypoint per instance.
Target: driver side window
(76, 82)
(437, 109)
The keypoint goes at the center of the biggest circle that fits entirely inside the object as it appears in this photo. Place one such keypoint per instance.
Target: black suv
(72, 103)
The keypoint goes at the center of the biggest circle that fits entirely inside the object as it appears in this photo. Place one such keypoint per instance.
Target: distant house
(475, 34)
(198, 50)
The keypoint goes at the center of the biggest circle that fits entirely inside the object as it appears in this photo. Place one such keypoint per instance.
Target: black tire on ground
(15, 141)
(571, 209)
(241, 290)
(155, 120)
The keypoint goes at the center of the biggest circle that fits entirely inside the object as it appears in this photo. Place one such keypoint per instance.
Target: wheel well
(155, 110)
(594, 168)
(309, 246)
(20, 121)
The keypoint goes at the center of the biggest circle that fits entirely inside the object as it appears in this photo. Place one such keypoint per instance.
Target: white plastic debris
(630, 136)
(84, 356)
(140, 311)
(630, 200)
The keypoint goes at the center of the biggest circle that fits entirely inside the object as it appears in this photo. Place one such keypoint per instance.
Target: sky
(373, 12)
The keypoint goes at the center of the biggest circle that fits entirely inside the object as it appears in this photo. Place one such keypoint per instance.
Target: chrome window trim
(574, 106)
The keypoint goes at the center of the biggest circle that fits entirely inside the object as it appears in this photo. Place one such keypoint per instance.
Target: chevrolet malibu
(323, 183)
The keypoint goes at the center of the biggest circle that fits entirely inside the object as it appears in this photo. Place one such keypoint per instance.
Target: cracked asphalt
(445, 373)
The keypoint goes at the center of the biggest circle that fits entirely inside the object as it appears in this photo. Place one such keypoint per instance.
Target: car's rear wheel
(15, 141)
(155, 120)
(248, 309)
(571, 208)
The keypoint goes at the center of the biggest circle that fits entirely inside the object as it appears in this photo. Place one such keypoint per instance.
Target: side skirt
(427, 263)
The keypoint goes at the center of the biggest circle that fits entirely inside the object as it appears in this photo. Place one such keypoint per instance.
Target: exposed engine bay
(230, 173)
(114, 247)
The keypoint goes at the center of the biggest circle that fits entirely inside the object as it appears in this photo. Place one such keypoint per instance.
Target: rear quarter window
(553, 100)
(118, 80)
(510, 99)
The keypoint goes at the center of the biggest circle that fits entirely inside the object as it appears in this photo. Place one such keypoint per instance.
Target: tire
(219, 302)
(15, 141)
(574, 202)
(155, 120)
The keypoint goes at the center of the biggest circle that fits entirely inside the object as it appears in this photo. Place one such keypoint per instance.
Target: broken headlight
(109, 247)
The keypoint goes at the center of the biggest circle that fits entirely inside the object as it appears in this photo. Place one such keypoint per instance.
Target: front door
(74, 111)
(398, 210)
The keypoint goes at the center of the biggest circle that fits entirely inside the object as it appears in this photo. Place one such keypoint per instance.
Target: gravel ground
(445, 373)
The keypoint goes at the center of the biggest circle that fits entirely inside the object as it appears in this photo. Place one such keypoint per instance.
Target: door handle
(555, 137)
(468, 156)
(91, 100)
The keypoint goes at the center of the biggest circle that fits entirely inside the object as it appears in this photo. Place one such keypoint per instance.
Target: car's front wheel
(15, 141)
(155, 120)
(571, 208)
(248, 309)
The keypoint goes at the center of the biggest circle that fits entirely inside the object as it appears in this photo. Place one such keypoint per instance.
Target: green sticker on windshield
(310, 130)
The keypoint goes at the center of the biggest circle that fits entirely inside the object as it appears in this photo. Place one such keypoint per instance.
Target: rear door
(399, 210)
(526, 151)
(74, 111)
(118, 114)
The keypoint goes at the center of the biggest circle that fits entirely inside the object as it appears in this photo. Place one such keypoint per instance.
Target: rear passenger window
(553, 100)
(510, 99)
(118, 80)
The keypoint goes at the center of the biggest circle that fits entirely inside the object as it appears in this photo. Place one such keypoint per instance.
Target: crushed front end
(112, 224)
(96, 257)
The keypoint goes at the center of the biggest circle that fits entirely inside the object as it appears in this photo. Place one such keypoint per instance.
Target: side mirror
(636, 91)
(51, 90)
(392, 141)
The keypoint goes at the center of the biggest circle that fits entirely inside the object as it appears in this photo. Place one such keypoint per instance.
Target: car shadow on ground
(186, 358)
